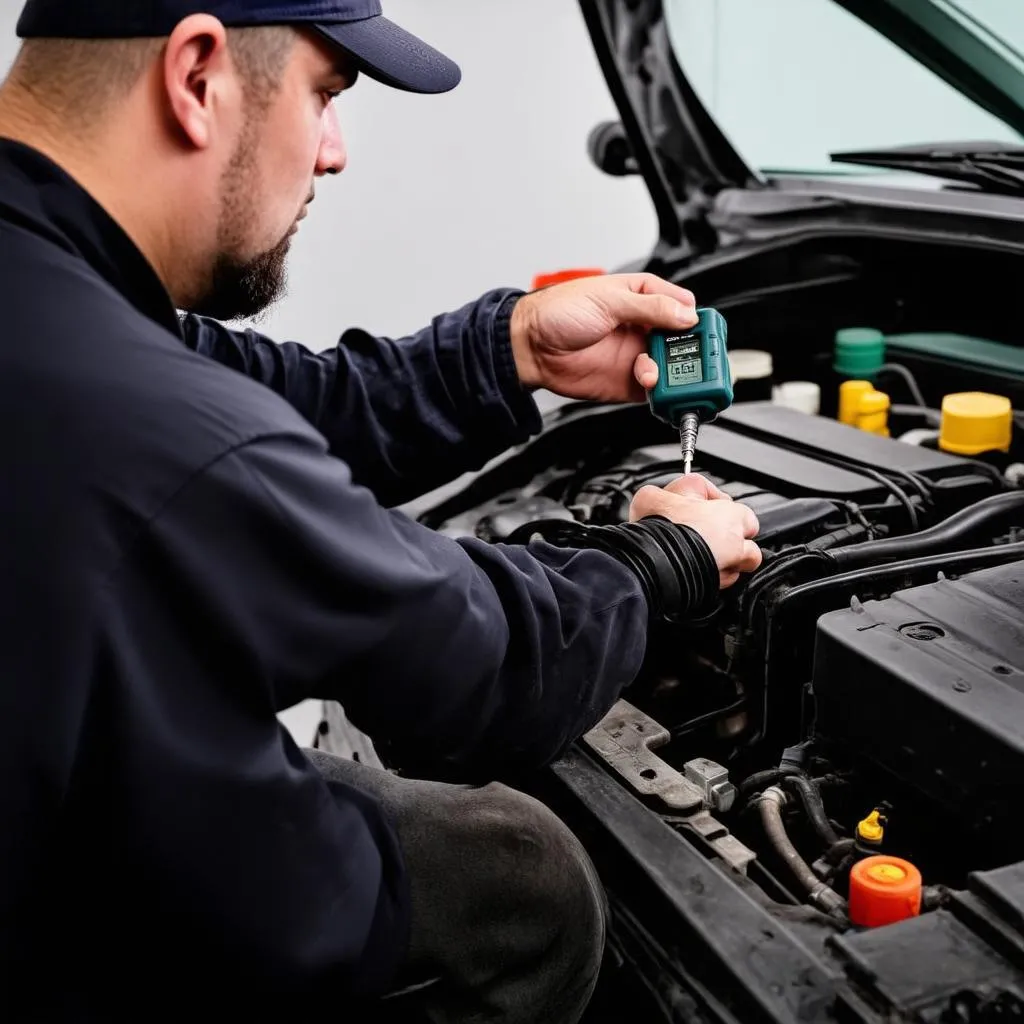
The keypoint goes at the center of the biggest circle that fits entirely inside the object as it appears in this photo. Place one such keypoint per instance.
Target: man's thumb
(652, 311)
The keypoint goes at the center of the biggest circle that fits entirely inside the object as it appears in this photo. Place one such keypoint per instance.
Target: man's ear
(198, 78)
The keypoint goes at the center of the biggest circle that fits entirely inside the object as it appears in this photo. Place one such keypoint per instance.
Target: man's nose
(332, 157)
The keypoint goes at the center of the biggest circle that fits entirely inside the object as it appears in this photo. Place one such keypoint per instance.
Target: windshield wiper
(994, 166)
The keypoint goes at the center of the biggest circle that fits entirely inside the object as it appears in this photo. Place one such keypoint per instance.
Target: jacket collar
(39, 196)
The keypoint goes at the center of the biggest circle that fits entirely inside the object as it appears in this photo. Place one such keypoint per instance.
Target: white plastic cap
(802, 395)
(1015, 474)
(750, 364)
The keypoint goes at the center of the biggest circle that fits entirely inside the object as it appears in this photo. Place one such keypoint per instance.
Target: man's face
(286, 142)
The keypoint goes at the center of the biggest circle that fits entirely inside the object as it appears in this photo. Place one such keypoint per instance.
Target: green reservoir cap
(859, 351)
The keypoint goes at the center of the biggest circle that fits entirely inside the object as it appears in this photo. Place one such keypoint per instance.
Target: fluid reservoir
(883, 890)
(974, 422)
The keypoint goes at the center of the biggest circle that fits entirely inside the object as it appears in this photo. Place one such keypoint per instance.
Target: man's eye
(330, 95)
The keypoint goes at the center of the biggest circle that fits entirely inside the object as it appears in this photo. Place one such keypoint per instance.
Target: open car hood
(668, 136)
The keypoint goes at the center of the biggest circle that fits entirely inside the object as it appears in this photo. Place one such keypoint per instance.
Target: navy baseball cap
(379, 48)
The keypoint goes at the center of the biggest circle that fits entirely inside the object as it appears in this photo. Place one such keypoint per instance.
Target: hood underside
(686, 158)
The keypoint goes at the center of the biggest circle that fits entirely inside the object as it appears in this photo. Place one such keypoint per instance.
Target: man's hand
(588, 338)
(728, 527)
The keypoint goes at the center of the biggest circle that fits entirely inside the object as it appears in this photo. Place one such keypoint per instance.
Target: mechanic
(201, 532)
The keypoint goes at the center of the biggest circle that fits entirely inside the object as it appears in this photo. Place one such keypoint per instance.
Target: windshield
(791, 81)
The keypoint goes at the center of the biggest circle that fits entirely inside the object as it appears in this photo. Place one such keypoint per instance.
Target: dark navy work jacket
(198, 532)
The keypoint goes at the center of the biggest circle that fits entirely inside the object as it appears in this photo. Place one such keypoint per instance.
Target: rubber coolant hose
(820, 894)
(967, 526)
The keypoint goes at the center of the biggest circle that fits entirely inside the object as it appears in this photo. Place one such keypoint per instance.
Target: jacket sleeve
(483, 658)
(406, 415)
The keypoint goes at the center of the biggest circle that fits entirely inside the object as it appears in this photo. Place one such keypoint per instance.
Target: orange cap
(558, 276)
(883, 890)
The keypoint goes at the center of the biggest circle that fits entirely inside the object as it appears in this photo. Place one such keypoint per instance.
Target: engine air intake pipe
(966, 527)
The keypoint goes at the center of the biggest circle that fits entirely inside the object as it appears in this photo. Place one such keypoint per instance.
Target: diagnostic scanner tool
(694, 382)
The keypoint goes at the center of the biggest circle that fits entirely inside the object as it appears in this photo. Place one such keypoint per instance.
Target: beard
(242, 287)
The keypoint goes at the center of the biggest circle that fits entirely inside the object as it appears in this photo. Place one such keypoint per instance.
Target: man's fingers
(751, 527)
(697, 486)
(648, 501)
(751, 558)
(646, 371)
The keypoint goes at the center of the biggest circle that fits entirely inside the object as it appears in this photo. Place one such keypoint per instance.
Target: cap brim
(390, 55)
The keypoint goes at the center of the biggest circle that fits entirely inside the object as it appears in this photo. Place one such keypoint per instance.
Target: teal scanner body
(693, 370)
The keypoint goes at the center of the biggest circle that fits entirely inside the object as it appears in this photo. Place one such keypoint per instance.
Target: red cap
(883, 890)
(546, 280)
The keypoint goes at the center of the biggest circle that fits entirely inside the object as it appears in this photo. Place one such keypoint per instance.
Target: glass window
(790, 81)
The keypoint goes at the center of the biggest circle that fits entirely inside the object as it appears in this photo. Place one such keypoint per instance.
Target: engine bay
(860, 696)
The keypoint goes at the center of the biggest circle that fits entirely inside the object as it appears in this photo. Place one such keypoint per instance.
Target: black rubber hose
(772, 572)
(809, 796)
(760, 780)
(836, 853)
(909, 379)
(684, 728)
(977, 522)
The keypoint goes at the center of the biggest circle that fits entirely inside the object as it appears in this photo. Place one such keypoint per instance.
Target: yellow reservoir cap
(873, 412)
(849, 395)
(974, 422)
(870, 829)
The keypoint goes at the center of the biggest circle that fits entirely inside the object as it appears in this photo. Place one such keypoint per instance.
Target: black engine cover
(820, 435)
(929, 684)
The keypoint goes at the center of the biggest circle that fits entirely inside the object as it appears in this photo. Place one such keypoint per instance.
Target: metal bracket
(626, 738)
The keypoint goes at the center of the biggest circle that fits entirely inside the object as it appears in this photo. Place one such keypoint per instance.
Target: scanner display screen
(682, 358)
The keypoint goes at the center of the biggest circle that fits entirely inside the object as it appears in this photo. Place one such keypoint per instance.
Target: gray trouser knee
(507, 909)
